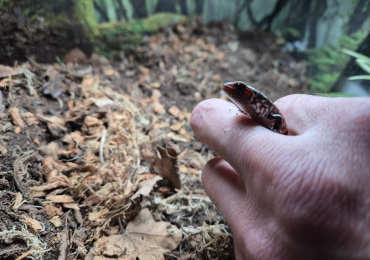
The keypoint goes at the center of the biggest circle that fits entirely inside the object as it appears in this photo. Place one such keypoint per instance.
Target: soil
(68, 130)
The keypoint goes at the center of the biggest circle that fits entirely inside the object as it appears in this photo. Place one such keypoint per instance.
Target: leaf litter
(98, 159)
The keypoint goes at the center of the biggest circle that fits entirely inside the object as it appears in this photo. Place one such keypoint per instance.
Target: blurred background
(314, 31)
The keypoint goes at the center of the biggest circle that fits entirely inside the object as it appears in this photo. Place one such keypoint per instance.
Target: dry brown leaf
(33, 224)
(56, 221)
(60, 198)
(17, 120)
(166, 166)
(145, 187)
(147, 238)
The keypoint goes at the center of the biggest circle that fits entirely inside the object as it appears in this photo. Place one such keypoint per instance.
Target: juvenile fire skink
(256, 105)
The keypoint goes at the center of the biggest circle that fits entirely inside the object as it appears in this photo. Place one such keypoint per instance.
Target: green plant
(362, 61)
(325, 64)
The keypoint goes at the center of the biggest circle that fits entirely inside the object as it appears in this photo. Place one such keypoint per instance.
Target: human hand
(302, 196)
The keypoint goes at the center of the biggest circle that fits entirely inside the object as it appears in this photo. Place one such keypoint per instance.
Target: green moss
(59, 12)
(122, 35)
(84, 14)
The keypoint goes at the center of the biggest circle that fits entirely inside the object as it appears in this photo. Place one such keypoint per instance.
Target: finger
(301, 112)
(234, 137)
(304, 113)
(224, 187)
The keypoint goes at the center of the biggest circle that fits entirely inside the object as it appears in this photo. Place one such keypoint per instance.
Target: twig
(17, 164)
(78, 216)
(1, 101)
(10, 251)
(102, 140)
(63, 246)
(27, 254)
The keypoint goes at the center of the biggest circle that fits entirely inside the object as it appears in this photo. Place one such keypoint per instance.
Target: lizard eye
(240, 86)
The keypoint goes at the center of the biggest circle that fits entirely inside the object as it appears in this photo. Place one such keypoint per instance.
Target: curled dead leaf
(166, 166)
(144, 233)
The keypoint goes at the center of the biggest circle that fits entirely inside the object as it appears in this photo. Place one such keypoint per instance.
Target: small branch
(102, 140)
(27, 254)
(63, 246)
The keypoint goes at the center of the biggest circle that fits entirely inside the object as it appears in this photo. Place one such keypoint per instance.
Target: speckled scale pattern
(256, 105)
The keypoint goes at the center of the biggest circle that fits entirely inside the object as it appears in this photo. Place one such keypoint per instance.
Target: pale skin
(302, 196)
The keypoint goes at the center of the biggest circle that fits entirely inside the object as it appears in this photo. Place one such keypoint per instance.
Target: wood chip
(17, 120)
(158, 108)
(60, 198)
(174, 110)
(56, 221)
(33, 224)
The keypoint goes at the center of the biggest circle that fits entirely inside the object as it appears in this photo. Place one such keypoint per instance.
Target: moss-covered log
(121, 35)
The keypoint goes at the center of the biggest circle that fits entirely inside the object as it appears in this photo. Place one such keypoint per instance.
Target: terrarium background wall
(317, 23)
